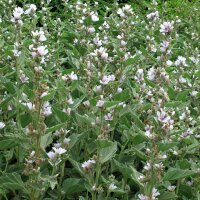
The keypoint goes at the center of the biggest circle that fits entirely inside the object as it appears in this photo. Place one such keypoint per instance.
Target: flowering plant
(99, 103)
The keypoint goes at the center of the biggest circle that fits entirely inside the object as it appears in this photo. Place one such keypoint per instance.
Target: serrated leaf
(176, 174)
(8, 143)
(46, 140)
(138, 122)
(12, 181)
(73, 185)
(166, 146)
(165, 195)
(108, 152)
(60, 116)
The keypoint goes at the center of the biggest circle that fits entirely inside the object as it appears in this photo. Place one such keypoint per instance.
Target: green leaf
(173, 104)
(123, 96)
(108, 152)
(73, 185)
(138, 122)
(49, 96)
(127, 171)
(8, 143)
(74, 138)
(83, 119)
(182, 96)
(52, 180)
(54, 128)
(12, 181)
(5, 103)
(78, 101)
(60, 116)
(10, 87)
(46, 140)
(171, 93)
(131, 61)
(140, 154)
(166, 146)
(77, 166)
(187, 191)
(165, 195)
(176, 174)
(184, 164)
(25, 119)
(111, 104)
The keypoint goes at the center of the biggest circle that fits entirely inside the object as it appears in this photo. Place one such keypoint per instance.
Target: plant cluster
(102, 103)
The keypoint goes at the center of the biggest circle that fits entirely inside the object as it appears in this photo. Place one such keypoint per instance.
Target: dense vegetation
(99, 100)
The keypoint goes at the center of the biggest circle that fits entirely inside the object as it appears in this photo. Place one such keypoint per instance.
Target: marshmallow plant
(99, 100)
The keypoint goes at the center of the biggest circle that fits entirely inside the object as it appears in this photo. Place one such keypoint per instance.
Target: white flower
(30, 105)
(32, 8)
(91, 29)
(105, 25)
(148, 131)
(139, 75)
(182, 80)
(73, 76)
(162, 157)
(187, 133)
(171, 188)
(46, 109)
(42, 51)
(124, 11)
(158, 166)
(147, 167)
(108, 117)
(155, 193)
(51, 155)
(38, 69)
(166, 27)
(23, 77)
(98, 88)
(151, 74)
(153, 16)
(94, 187)
(164, 46)
(194, 93)
(143, 197)
(94, 17)
(97, 41)
(100, 103)
(169, 63)
(70, 101)
(181, 61)
(66, 141)
(121, 13)
(2, 125)
(101, 52)
(59, 150)
(18, 11)
(86, 103)
(123, 43)
(32, 154)
(17, 53)
(162, 116)
(106, 79)
(57, 145)
(119, 90)
(87, 165)
(194, 60)
(141, 177)
(112, 186)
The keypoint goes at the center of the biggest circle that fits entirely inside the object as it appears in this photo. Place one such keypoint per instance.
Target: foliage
(99, 100)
